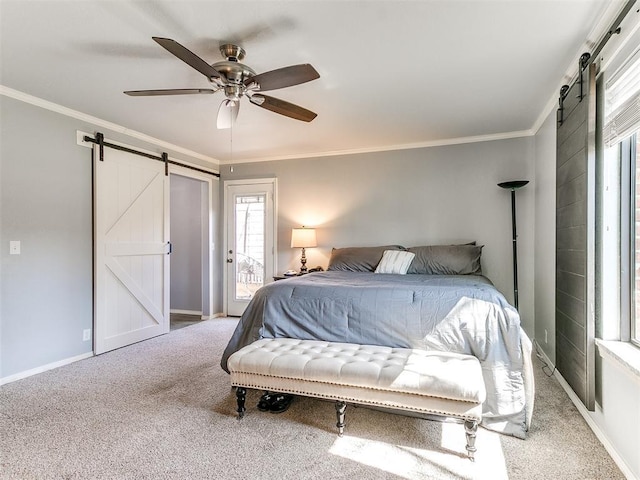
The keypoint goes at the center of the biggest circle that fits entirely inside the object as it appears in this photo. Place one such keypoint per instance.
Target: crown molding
(387, 148)
(54, 107)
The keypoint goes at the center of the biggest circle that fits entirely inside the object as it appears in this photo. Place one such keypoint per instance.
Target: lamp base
(303, 263)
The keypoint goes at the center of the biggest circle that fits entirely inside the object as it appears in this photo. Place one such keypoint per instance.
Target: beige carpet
(163, 409)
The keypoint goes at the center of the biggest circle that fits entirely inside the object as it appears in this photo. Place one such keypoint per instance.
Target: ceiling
(393, 74)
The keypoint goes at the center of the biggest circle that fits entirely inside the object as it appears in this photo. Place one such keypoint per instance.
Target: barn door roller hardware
(583, 63)
(165, 159)
(586, 58)
(99, 140)
(564, 90)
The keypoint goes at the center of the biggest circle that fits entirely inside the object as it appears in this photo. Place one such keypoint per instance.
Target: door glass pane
(249, 244)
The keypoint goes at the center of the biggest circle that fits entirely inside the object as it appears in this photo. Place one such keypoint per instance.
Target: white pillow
(395, 261)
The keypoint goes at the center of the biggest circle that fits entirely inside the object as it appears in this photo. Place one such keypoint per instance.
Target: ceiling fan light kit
(237, 80)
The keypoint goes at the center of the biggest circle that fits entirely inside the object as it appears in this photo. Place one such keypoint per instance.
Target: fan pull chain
(231, 142)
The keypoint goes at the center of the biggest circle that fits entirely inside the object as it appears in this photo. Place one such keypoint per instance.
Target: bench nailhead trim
(363, 387)
(357, 401)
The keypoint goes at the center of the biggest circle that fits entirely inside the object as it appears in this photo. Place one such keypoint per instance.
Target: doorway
(191, 296)
(250, 240)
(188, 212)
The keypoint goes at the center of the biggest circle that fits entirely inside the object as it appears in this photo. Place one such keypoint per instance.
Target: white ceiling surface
(393, 74)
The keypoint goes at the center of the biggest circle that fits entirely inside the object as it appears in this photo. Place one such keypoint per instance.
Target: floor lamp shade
(513, 186)
(303, 238)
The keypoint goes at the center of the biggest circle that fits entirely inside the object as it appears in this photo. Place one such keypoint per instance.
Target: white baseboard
(212, 316)
(186, 312)
(202, 317)
(44, 368)
(599, 433)
(67, 361)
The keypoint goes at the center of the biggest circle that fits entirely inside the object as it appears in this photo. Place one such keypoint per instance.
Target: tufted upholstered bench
(437, 383)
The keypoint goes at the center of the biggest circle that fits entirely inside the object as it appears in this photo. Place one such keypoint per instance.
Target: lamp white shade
(303, 238)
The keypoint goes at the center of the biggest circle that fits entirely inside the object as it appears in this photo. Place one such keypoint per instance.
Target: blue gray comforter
(464, 314)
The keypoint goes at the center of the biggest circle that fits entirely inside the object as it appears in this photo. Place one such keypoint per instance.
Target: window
(250, 220)
(620, 234)
(632, 150)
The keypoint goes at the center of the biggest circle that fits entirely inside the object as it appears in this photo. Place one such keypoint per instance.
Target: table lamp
(303, 238)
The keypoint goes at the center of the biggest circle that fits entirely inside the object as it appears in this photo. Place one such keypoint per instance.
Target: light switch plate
(14, 247)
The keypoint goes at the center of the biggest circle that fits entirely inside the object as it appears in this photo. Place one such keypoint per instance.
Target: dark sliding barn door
(575, 237)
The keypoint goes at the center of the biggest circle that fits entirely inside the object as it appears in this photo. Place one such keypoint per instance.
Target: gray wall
(545, 237)
(216, 250)
(45, 202)
(186, 240)
(411, 197)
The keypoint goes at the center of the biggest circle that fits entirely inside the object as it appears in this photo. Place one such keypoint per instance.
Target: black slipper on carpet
(265, 402)
(281, 403)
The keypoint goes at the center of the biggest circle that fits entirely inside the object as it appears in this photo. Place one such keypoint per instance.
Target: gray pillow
(358, 259)
(446, 260)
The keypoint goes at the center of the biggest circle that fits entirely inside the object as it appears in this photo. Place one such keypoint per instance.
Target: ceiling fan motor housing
(231, 69)
(233, 72)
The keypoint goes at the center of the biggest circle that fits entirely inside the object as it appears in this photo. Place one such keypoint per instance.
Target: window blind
(622, 107)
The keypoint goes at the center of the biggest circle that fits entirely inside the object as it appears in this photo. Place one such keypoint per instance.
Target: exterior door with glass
(250, 240)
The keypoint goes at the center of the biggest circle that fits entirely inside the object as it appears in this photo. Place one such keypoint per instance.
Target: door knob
(229, 260)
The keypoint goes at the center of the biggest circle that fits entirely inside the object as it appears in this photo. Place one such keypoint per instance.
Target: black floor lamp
(513, 186)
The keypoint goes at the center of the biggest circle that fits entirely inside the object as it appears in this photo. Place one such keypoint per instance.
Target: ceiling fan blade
(227, 114)
(284, 77)
(187, 56)
(283, 108)
(171, 91)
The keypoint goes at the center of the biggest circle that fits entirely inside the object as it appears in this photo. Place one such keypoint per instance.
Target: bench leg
(470, 428)
(340, 408)
(241, 396)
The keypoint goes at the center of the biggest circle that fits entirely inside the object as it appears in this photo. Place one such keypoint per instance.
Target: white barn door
(131, 249)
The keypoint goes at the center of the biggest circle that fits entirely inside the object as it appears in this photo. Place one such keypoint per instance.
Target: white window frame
(620, 129)
(629, 159)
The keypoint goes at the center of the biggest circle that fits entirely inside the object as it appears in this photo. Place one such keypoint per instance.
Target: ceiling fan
(238, 80)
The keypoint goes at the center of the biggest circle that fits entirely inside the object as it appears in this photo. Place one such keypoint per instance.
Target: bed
(430, 302)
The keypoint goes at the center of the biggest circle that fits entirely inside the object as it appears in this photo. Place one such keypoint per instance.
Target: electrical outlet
(14, 247)
(545, 336)
(86, 334)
